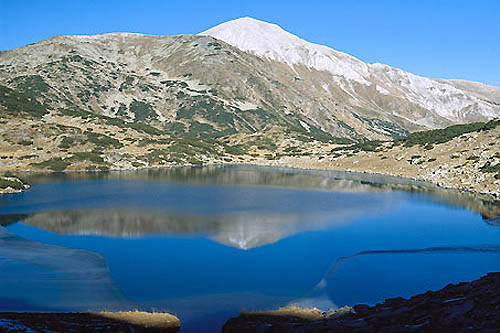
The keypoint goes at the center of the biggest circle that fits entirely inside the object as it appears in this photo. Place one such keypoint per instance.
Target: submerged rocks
(465, 306)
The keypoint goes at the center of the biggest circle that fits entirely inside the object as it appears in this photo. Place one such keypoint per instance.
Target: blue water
(206, 243)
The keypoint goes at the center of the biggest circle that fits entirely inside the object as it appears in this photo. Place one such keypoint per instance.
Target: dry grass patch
(291, 311)
(132, 321)
(145, 319)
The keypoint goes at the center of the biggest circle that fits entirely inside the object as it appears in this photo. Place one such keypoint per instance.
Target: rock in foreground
(473, 306)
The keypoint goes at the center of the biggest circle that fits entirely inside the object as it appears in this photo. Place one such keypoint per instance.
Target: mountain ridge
(271, 41)
(385, 93)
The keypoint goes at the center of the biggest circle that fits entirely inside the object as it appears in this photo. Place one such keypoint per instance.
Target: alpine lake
(206, 243)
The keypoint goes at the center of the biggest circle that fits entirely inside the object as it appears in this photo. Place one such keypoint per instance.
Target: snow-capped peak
(271, 41)
(450, 100)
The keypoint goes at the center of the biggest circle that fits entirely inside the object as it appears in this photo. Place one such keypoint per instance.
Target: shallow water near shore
(206, 243)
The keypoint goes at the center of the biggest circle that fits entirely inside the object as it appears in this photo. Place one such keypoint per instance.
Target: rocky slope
(209, 85)
(465, 306)
(456, 101)
(465, 160)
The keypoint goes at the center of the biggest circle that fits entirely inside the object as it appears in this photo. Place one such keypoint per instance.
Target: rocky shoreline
(492, 194)
(466, 306)
(12, 184)
(290, 164)
(469, 162)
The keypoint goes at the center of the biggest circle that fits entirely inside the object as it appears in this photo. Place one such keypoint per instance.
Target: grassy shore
(130, 321)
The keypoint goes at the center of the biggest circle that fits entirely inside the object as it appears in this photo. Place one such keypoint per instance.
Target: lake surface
(206, 243)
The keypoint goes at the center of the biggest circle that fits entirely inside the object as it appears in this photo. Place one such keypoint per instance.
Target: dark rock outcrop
(473, 306)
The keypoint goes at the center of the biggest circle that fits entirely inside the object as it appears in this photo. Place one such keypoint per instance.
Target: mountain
(243, 91)
(456, 101)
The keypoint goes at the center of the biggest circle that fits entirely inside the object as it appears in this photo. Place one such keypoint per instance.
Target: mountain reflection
(247, 209)
(243, 230)
(323, 180)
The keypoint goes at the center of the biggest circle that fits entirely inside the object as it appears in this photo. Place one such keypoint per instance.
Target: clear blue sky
(435, 38)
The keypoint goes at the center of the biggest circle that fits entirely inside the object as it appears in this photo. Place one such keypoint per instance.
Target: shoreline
(495, 195)
(128, 321)
(465, 305)
(403, 180)
(11, 184)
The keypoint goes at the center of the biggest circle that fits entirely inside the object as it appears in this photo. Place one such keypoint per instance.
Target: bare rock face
(470, 306)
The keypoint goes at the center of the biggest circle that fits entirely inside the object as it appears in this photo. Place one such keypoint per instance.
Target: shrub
(446, 134)
(142, 111)
(15, 184)
(487, 167)
(102, 140)
(362, 146)
(240, 149)
(269, 156)
(87, 156)
(54, 164)
(66, 142)
(16, 103)
(138, 126)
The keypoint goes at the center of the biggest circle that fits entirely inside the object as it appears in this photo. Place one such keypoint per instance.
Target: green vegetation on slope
(427, 139)
(54, 164)
(138, 126)
(142, 111)
(87, 156)
(446, 134)
(372, 145)
(15, 184)
(102, 141)
(32, 86)
(17, 103)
